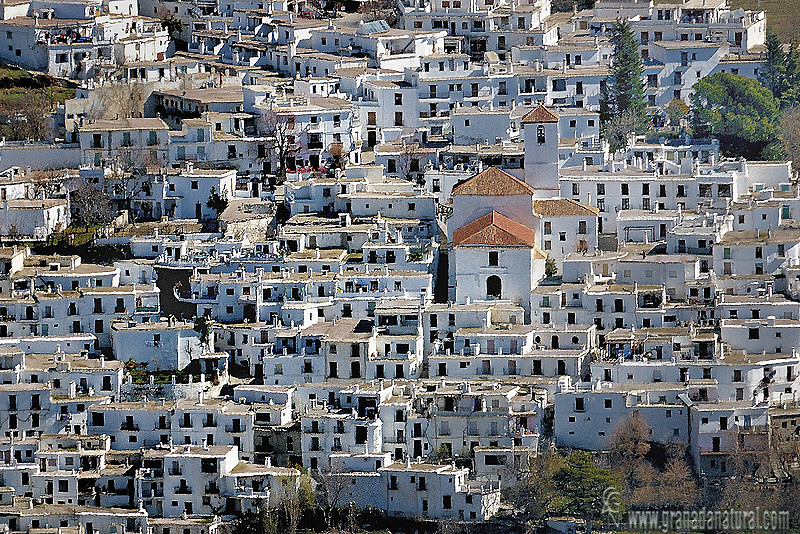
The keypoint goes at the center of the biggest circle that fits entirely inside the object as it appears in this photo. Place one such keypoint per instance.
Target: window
(398, 99)
(494, 258)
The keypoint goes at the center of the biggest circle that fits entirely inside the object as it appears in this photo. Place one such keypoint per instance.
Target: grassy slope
(9, 76)
(783, 16)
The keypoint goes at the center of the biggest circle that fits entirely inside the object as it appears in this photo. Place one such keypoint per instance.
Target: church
(504, 227)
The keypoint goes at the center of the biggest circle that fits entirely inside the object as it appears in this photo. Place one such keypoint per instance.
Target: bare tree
(372, 10)
(676, 485)
(790, 135)
(628, 445)
(118, 101)
(47, 182)
(450, 526)
(629, 440)
(408, 163)
(620, 130)
(27, 118)
(339, 155)
(329, 486)
(90, 206)
(536, 496)
(281, 131)
(297, 496)
(130, 175)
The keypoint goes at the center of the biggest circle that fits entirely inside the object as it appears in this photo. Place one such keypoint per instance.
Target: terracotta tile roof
(563, 207)
(494, 229)
(540, 114)
(493, 182)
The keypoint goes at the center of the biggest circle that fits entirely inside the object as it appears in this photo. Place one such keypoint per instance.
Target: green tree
(619, 129)
(791, 96)
(741, 112)
(583, 485)
(677, 110)
(173, 25)
(258, 521)
(625, 86)
(217, 202)
(550, 267)
(773, 73)
(536, 496)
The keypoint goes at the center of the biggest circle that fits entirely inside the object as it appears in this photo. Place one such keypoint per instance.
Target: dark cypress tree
(773, 73)
(625, 84)
(791, 96)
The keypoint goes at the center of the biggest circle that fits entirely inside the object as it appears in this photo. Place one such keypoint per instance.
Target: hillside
(783, 16)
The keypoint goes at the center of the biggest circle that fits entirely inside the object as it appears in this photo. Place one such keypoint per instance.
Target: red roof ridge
(540, 114)
(494, 229)
(493, 182)
(558, 209)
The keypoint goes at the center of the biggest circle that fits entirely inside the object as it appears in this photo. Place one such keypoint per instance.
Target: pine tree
(773, 74)
(625, 86)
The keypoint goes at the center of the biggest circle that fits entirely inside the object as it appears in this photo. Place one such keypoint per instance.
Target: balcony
(235, 429)
(151, 474)
(183, 490)
(175, 471)
(129, 427)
